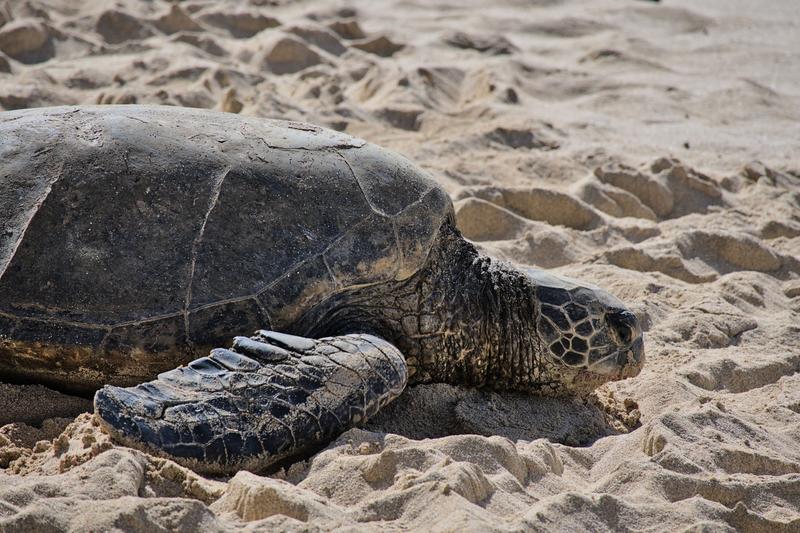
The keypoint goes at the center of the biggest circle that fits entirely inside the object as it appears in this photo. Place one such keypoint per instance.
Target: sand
(651, 148)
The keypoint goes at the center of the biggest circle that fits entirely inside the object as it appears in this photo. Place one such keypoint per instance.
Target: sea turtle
(135, 239)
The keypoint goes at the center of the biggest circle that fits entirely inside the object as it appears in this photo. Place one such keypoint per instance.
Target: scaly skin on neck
(463, 319)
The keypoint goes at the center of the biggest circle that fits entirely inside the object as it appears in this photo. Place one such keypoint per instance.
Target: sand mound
(648, 148)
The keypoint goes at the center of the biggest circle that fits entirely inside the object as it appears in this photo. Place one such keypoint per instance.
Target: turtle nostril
(623, 323)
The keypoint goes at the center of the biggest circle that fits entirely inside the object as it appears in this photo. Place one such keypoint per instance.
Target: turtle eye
(623, 323)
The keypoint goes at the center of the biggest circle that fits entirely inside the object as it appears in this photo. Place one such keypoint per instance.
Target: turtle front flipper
(269, 397)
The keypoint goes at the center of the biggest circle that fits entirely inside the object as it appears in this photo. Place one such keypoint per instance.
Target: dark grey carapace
(134, 240)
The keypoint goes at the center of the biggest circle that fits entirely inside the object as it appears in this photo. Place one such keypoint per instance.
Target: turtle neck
(463, 319)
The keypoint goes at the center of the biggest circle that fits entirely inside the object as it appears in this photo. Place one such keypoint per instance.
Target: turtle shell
(133, 238)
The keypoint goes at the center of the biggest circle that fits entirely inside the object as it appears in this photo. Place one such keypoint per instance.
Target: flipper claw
(262, 351)
(290, 342)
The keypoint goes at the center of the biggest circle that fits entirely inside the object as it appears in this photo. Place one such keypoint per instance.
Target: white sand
(651, 148)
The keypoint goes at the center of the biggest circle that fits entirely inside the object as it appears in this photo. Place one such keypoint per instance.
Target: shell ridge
(358, 182)
(34, 210)
(214, 199)
(398, 244)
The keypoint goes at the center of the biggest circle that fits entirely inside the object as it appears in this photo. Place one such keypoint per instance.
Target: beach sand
(650, 148)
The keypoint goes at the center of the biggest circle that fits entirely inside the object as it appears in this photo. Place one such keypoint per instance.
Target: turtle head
(588, 334)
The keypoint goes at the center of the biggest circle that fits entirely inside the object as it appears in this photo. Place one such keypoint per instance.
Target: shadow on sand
(438, 410)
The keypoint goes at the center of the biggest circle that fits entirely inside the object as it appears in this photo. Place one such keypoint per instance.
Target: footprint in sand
(698, 256)
(535, 203)
(239, 24)
(668, 188)
(27, 41)
(287, 55)
(118, 27)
